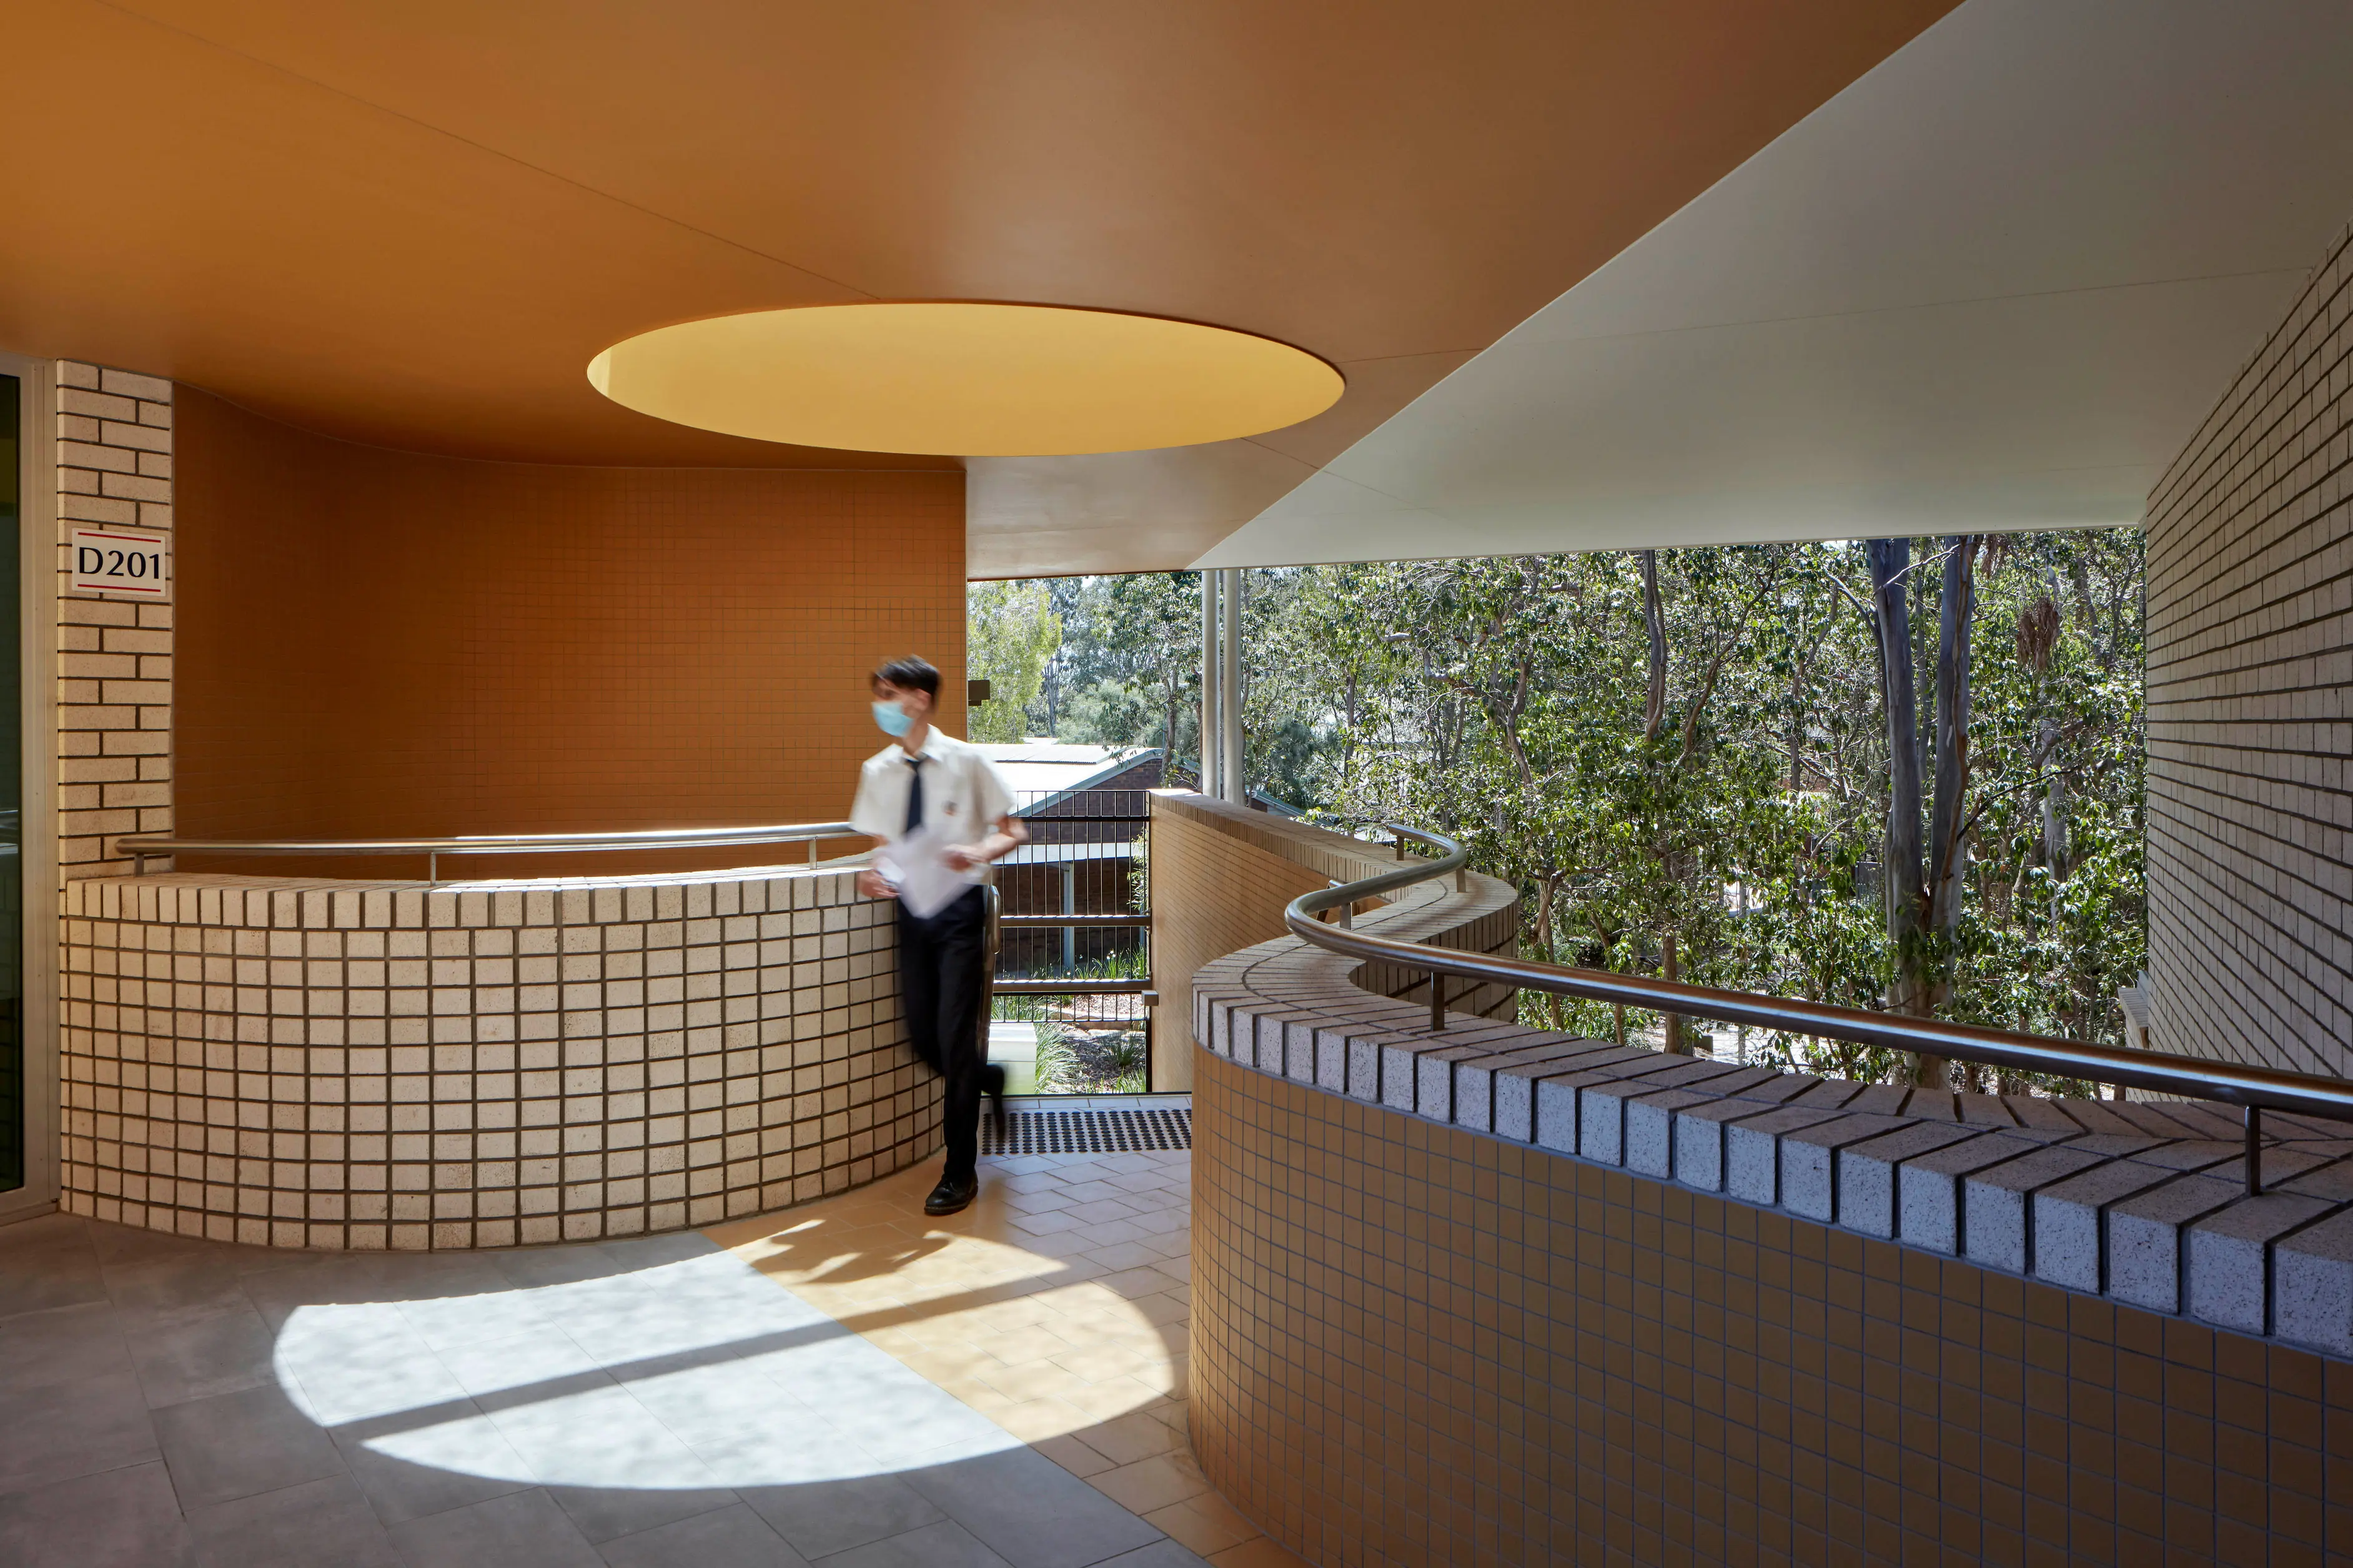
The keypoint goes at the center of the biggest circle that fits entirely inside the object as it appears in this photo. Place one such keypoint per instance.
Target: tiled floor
(1058, 1306)
(634, 1403)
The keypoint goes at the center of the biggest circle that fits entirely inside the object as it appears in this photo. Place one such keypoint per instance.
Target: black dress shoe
(952, 1196)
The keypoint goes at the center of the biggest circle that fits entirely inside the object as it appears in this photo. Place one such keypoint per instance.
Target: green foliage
(1011, 633)
(1129, 669)
(1503, 701)
(1081, 1061)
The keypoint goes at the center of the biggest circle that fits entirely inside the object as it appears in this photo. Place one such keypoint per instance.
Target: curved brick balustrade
(2140, 1202)
(1497, 1295)
(306, 1062)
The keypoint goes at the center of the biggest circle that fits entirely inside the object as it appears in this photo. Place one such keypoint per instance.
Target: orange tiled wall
(383, 643)
(1412, 1343)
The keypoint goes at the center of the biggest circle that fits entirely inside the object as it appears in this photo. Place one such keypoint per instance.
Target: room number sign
(118, 561)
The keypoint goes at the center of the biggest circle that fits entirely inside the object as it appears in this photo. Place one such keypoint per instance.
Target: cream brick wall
(114, 658)
(2250, 619)
(348, 1065)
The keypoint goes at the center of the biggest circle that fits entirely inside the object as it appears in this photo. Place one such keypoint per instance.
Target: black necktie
(915, 794)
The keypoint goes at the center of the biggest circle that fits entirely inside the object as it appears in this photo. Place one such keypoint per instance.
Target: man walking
(938, 811)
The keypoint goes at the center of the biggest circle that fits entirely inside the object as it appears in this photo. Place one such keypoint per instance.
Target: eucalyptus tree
(1716, 759)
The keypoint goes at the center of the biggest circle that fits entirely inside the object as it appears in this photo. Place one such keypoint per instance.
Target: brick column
(114, 658)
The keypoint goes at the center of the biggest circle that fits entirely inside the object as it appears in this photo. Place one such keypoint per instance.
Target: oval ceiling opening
(966, 379)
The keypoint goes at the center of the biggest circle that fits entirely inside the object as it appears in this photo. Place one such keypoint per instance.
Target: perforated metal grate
(1088, 1132)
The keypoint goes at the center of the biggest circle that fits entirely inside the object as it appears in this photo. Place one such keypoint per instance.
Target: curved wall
(1493, 1294)
(301, 1063)
(377, 643)
(1415, 1343)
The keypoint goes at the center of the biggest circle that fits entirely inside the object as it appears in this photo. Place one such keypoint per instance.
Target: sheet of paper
(917, 866)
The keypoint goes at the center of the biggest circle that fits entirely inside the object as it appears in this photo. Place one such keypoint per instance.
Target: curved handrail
(2252, 1089)
(141, 850)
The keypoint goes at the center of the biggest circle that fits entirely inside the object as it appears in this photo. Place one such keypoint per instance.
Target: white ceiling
(1996, 283)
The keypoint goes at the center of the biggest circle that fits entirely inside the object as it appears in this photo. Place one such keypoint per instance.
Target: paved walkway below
(846, 1384)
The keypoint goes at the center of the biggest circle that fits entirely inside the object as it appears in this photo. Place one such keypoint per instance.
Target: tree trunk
(2056, 848)
(1892, 615)
(1796, 722)
(1948, 848)
(1672, 1026)
(1654, 622)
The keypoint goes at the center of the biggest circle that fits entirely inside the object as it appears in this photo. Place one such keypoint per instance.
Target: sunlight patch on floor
(691, 1374)
(1059, 1305)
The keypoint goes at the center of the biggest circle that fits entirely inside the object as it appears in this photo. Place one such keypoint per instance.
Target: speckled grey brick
(2312, 1287)
(1555, 1115)
(1332, 1060)
(1299, 1048)
(1984, 1111)
(1455, 1084)
(1928, 1188)
(1211, 1024)
(1699, 1141)
(2042, 1115)
(1365, 1066)
(1752, 1151)
(1249, 1030)
(1560, 1097)
(1651, 1128)
(2333, 1182)
(1475, 1081)
(2229, 1257)
(1700, 1075)
(1866, 1172)
(1516, 1094)
(1400, 1070)
(2069, 1219)
(1809, 1160)
(1996, 1222)
(2144, 1238)
(1601, 1097)
(1699, 1129)
(1433, 1085)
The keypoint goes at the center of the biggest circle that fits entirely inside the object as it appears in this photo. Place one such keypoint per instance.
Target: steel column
(1229, 695)
(1211, 785)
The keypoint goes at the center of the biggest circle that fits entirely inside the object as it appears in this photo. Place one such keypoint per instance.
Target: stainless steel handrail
(2252, 1089)
(141, 850)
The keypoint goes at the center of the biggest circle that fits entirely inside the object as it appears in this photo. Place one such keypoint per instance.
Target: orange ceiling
(413, 222)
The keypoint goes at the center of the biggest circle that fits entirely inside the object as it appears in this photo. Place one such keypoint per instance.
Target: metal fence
(1073, 1013)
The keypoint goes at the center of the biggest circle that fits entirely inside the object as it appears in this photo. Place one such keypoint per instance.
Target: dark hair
(911, 674)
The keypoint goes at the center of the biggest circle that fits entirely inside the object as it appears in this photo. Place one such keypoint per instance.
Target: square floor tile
(235, 1444)
(943, 1545)
(409, 1472)
(61, 1344)
(821, 1518)
(525, 1530)
(732, 1537)
(67, 1429)
(1031, 1510)
(318, 1524)
(127, 1517)
(194, 1358)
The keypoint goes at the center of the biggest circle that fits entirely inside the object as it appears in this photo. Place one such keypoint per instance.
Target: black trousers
(939, 977)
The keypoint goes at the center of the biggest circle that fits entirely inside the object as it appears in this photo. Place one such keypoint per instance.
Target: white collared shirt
(964, 794)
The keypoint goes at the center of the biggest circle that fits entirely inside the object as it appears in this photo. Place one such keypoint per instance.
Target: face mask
(895, 719)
